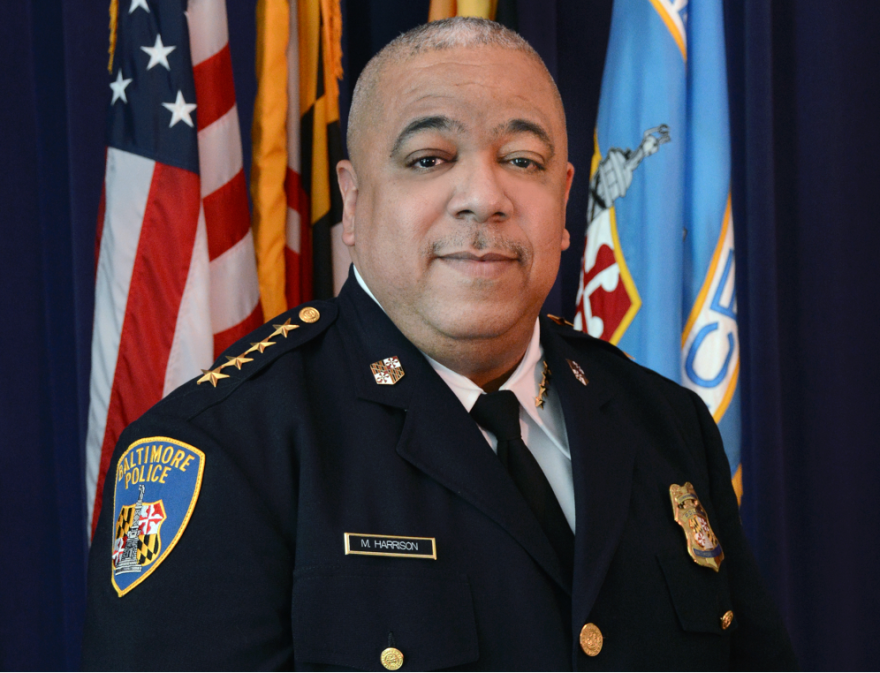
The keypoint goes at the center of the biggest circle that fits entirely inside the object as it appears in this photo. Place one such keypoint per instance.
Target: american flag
(176, 277)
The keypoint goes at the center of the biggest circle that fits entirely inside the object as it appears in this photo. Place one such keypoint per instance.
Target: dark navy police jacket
(302, 446)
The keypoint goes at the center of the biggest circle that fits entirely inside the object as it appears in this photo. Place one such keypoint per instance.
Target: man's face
(456, 214)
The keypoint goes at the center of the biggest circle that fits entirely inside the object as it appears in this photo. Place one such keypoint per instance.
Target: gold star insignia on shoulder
(283, 329)
(259, 346)
(237, 361)
(212, 375)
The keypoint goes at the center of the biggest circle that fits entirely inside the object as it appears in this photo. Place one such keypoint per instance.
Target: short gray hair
(457, 32)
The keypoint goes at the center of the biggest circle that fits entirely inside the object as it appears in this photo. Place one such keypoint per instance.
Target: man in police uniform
(340, 491)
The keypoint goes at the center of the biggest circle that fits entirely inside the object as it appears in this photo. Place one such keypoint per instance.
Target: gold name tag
(390, 545)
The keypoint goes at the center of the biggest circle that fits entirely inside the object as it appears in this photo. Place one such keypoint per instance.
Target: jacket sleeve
(761, 641)
(220, 598)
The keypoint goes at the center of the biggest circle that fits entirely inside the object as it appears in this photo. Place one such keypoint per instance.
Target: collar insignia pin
(578, 372)
(702, 545)
(545, 382)
(387, 372)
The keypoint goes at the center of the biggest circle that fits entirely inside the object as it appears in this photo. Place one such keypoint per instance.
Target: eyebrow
(436, 123)
(517, 126)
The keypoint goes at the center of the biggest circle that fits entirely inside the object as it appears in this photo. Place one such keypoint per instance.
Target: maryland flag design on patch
(149, 538)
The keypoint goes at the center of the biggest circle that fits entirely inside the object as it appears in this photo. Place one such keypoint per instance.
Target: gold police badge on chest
(702, 544)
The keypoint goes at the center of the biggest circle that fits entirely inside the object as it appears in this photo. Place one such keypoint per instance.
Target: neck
(488, 362)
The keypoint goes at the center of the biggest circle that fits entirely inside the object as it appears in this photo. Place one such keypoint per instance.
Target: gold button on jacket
(727, 619)
(309, 314)
(391, 658)
(591, 639)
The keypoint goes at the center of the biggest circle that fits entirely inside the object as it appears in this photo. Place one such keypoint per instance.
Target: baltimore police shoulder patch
(157, 485)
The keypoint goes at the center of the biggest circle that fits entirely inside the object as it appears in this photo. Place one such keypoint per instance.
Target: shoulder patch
(157, 484)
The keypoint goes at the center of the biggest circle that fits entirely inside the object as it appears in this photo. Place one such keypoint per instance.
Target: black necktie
(499, 414)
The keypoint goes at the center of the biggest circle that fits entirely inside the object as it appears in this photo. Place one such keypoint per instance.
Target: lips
(479, 266)
(466, 256)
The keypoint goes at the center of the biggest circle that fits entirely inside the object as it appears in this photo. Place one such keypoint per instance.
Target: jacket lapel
(439, 438)
(442, 440)
(602, 455)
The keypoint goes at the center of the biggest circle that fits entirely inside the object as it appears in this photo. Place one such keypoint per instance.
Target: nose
(480, 195)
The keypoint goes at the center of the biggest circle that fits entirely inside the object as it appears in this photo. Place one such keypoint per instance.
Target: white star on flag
(180, 110)
(138, 3)
(119, 87)
(158, 54)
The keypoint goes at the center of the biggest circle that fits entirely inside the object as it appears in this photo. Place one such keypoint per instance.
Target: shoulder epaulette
(252, 354)
(566, 329)
(559, 321)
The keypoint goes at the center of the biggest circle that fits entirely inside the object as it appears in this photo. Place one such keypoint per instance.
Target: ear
(569, 177)
(347, 178)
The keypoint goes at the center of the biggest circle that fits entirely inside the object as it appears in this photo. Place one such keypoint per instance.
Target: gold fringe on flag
(738, 484)
(114, 21)
(269, 159)
(331, 13)
(445, 9)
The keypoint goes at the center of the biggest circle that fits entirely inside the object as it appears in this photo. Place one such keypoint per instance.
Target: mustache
(477, 240)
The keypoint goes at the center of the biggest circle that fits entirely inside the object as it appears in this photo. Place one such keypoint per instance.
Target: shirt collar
(363, 284)
(520, 383)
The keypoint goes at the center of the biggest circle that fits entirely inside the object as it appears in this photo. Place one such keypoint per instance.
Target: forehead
(481, 87)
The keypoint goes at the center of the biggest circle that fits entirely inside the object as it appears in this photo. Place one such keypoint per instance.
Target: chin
(479, 321)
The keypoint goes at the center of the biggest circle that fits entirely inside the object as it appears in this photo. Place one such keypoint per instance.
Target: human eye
(429, 160)
(426, 162)
(528, 164)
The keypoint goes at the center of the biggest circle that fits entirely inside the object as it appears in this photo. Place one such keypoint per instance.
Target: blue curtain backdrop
(805, 101)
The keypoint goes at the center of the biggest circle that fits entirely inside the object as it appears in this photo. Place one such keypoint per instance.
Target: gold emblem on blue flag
(157, 485)
(702, 545)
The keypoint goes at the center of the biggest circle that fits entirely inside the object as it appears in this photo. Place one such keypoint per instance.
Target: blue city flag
(659, 268)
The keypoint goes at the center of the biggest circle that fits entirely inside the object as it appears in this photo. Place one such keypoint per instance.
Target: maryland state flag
(658, 269)
(296, 145)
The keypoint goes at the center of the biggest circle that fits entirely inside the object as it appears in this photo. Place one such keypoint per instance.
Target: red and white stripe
(298, 250)
(176, 278)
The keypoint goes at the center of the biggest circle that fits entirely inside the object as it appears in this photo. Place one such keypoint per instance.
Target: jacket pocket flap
(348, 619)
(700, 595)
